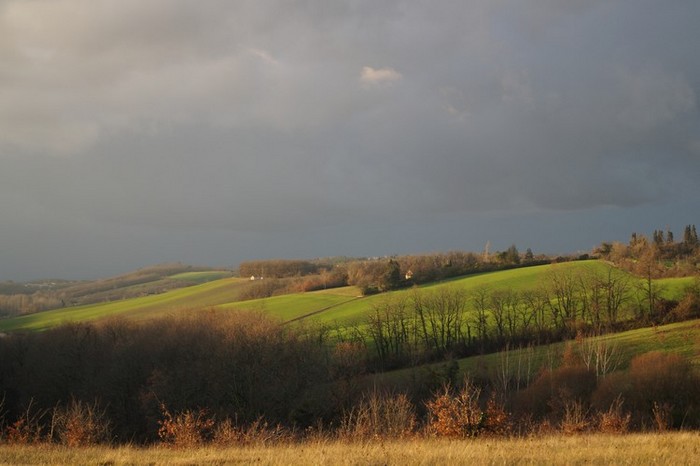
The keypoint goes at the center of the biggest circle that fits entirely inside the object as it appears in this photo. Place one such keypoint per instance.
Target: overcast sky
(134, 132)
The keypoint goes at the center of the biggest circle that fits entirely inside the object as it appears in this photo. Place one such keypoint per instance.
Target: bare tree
(564, 303)
(598, 354)
(537, 303)
(481, 303)
(442, 318)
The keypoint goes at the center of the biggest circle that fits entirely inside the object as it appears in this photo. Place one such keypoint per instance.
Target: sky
(139, 132)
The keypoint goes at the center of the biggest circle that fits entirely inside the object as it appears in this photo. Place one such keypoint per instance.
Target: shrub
(654, 379)
(28, 428)
(662, 415)
(226, 433)
(81, 424)
(614, 420)
(498, 422)
(379, 415)
(553, 390)
(687, 308)
(575, 419)
(2, 417)
(262, 288)
(185, 429)
(456, 415)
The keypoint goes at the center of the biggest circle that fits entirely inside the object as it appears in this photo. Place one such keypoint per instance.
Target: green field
(295, 306)
(201, 277)
(527, 278)
(515, 279)
(190, 298)
(680, 338)
(339, 306)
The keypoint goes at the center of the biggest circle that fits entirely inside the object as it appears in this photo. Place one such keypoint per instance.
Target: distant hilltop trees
(375, 274)
(27, 298)
(661, 255)
(278, 268)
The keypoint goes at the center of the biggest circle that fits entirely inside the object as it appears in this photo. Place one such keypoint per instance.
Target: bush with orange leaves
(27, 428)
(456, 414)
(614, 420)
(185, 429)
(81, 424)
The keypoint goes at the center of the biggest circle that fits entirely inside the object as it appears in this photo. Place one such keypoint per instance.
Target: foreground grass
(668, 448)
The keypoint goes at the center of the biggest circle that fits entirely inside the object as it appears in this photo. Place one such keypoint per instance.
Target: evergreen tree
(690, 236)
(512, 255)
(529, 256)
(391, 278)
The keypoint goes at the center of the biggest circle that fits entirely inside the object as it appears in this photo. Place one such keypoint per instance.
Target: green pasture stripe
(193, 297)
(520, 279)
(681, 338)
(337, 306)
(201, 277)
(292, 306)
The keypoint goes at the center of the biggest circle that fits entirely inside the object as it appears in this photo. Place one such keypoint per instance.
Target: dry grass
(666, 448)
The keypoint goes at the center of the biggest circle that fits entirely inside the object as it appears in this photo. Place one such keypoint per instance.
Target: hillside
(165, 355)
(188, 298)
(42, 295)
(336, 306)
(681, 338)
(349, 311)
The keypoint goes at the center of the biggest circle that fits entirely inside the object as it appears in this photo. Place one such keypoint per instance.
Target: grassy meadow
(681, 338)
(299, 305)
(189, 298)
(678, 448)
(345, 305)
(337, 306)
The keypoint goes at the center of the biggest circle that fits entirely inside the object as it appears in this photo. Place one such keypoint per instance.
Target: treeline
(661, 255)
(240, 366)
(425, 325)
(149, 280)
(280, 268)
(375, 275)
(231, 377)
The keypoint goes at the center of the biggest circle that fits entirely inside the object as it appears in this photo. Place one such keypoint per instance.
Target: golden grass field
(677, 448)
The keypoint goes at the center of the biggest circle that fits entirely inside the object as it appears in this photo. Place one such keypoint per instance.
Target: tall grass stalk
(641, 449)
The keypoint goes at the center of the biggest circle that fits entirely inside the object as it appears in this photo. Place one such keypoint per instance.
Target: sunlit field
(642, 449)
(332, 306)
(678, 338)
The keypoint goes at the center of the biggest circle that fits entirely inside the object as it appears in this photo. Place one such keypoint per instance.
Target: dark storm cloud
(258, 118)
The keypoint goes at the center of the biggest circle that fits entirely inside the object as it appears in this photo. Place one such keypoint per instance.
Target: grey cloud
(252, 117)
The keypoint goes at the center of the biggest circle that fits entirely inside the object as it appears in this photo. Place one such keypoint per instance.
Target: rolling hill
(333, 306)
(681, 338)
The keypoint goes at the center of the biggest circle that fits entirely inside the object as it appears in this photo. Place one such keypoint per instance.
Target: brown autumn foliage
(552, 390)
(615, 420)
(498, 421)
(186, 429)
(258, 432)
(456, 414)
(81, 424)
(237, 365)
(379, 415)
(575, 419)
(656, 386)
(27, 428)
